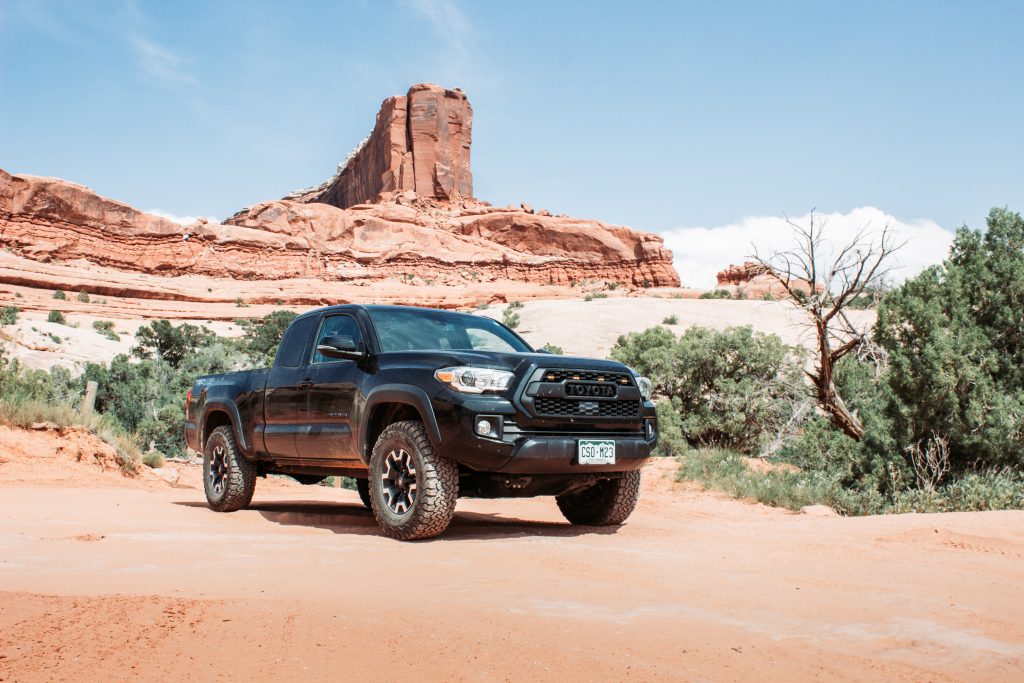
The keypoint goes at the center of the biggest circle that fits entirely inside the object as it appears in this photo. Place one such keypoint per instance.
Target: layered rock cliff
(420, 144)
(50, 219)
(400, 209)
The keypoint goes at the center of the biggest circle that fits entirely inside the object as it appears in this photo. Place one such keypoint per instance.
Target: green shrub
(510, 319)
(671, 441)
(767, 296)
(9, 315)
(552, 349)
(106, 328)
(670, 320)
(163, 341)
(955, 341)
(153, 459)
(60, 295)
(262, 336)
(515, 304)
(240, 303)
(734, 388)
(55, 339)
(83, 296)
(56, 317)
(726, 471)
(716, 294)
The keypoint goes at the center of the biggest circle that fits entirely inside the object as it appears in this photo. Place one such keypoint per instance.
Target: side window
(335, 326)
(293, 345)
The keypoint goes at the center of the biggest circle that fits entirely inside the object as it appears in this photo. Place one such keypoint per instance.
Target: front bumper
(527, 447)
(558, 455)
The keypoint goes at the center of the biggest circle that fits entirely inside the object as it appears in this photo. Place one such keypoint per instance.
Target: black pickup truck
(422, 406)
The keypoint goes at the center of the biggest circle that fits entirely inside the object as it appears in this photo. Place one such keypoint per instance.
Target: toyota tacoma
(421, 407)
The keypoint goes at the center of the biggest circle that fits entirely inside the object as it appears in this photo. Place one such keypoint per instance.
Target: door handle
(306, 383)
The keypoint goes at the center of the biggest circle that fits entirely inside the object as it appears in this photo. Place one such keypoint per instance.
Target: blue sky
(663, 116)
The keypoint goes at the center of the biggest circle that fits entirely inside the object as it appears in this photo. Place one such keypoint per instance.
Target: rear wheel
(605, 503)
(228, 478)
(413, 490)
(363, 487)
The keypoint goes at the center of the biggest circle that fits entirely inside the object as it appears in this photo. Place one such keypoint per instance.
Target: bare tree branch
(824, 285)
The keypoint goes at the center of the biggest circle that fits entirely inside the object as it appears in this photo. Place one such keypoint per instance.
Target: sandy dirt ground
(111, 582)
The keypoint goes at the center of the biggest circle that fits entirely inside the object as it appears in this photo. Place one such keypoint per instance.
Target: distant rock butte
(755, 280)
(741, 275)
(420, 144)
(400, 210)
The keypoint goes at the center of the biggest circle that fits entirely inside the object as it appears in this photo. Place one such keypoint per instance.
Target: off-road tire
(239, 474)
(436, 479)
(363, 487)
(605, 503)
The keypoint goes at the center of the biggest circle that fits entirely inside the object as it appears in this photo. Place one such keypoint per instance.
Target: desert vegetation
(140, 397)
(924, 412)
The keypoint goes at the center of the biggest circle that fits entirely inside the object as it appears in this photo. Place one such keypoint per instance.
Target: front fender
(408, 394)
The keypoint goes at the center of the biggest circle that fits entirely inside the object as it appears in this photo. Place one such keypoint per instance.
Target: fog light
(649, 428)
(484, 428)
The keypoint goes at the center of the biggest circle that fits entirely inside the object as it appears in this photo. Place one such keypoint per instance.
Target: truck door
(284, 402)
(331, 396)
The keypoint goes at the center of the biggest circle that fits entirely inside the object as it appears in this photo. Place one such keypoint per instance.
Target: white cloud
(450, 24)
(160, 62)
(701, 252)
(181, 220)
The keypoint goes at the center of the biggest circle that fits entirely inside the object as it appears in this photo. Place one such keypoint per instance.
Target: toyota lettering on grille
(579, 389)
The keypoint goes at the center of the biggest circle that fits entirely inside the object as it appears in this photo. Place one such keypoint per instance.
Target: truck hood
(516, 362)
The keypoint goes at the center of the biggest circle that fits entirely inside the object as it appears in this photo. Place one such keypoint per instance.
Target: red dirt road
(114, 583)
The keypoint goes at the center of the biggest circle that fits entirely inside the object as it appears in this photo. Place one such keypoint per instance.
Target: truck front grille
(565, 407)
(583, 395)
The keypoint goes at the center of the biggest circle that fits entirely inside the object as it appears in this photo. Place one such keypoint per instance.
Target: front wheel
(413, 490)
(363, 487)
(228, 478)
(605, 503)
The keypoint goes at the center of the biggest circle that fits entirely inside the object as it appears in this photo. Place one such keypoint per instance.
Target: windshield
(401, 329)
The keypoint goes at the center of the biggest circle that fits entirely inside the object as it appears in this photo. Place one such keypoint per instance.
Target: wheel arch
(391, 403)
(219, 414)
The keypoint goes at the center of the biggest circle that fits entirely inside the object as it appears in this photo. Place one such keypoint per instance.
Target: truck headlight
(644, 385)
(475, 380)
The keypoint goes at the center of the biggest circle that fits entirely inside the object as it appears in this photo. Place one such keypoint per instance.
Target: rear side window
(293, 346)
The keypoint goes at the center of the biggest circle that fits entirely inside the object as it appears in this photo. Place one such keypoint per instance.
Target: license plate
(592, 452)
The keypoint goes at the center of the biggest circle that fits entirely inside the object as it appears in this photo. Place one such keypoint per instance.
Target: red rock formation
(420, 144)
(755, 280)
(422, 227)
(739, 275)
(49, 219)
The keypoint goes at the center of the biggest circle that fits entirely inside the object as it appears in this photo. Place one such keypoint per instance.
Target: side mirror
(340, 346)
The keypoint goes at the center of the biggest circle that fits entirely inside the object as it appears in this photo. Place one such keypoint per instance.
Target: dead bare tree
(823, 281)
